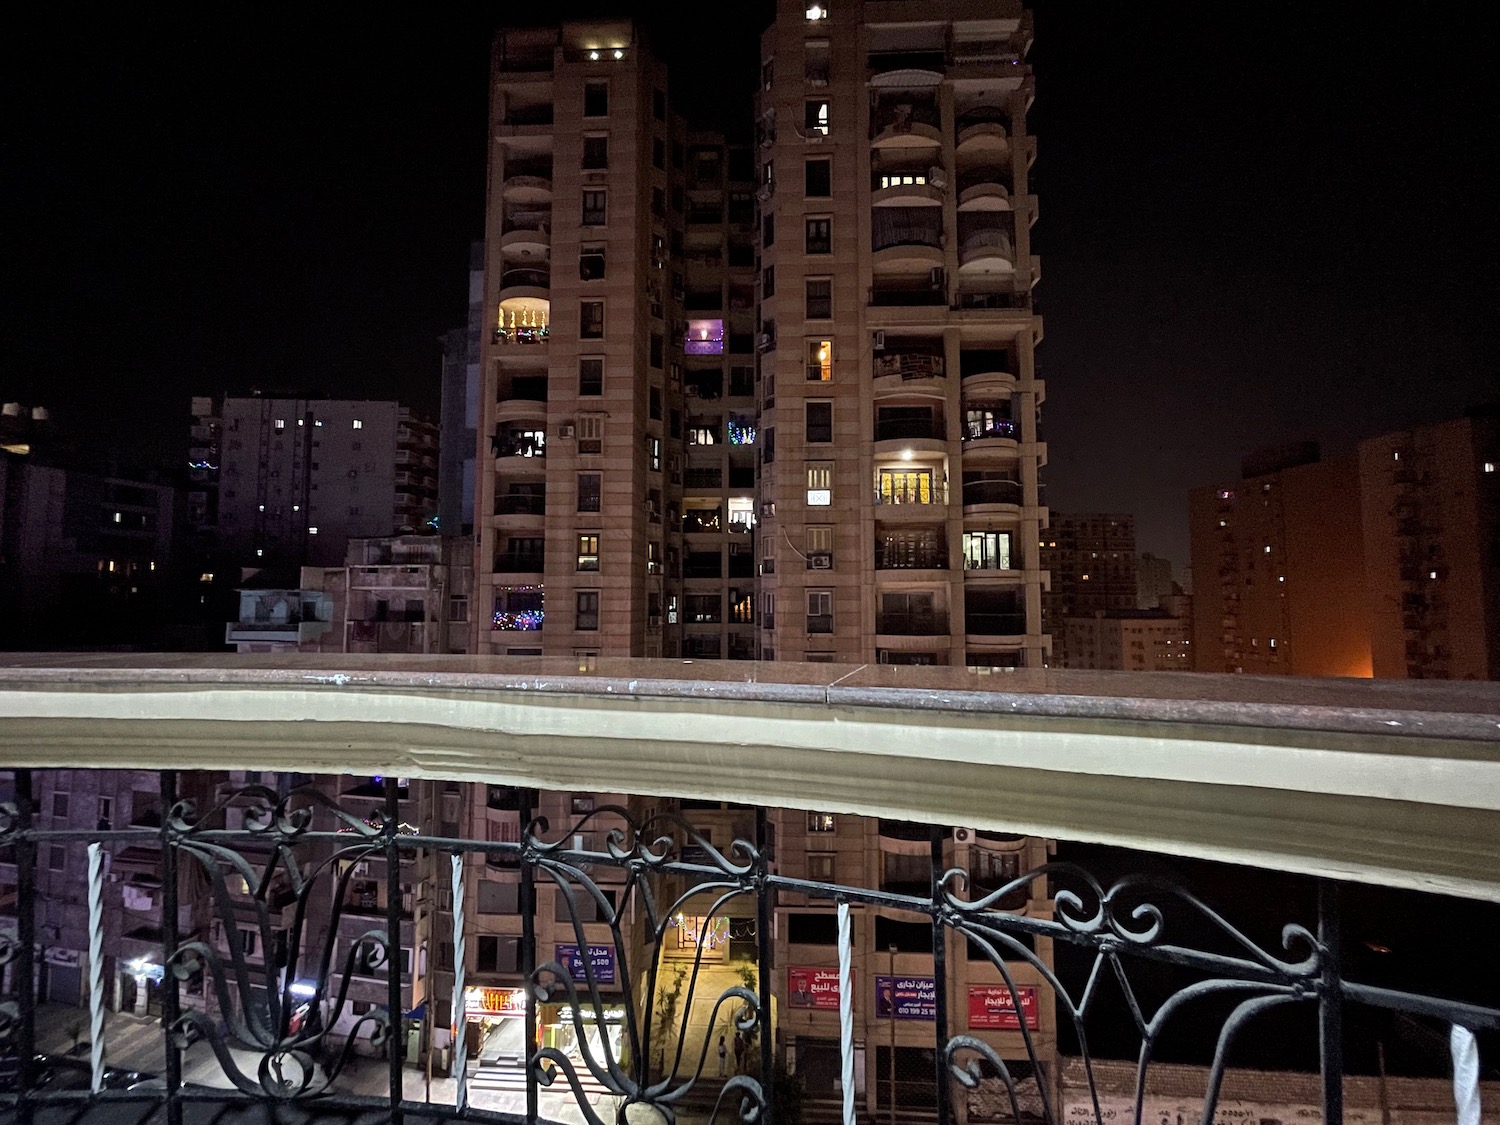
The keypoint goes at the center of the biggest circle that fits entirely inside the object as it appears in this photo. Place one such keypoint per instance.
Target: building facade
(1130, 640)
(1090, 562)
(297, 478)
(459, 416)
(898, 443)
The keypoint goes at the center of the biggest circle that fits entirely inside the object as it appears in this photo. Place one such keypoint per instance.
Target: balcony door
(907, 486)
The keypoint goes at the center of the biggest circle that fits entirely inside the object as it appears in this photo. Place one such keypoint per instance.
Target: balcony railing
(894, 297)
(522, 334)
(900, 429)
(519, 445)
(244, 1037)
(934, 492)
(907, 556)
(982, 623)
(993, 492)
(527, 277)
(912, 623)
(527, 563)
(520, 505)
(909, 365)
(994, 428)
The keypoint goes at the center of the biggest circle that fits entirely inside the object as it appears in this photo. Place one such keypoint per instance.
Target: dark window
(677, 199)
(657, 344)
(768, 230)
(591, 320)
(819, 236)
(654, 397)
(819, 420)
(769, 445)
(595, 207)
(590, 376)
(812, 929)
(659, 154)
(587, 610)
(819, 299)
(596, 99)
(907, 937)
(659, 203)
(588, 492)
(596, 152)
(818, 179)
(768, 282)
(659, 104)
(591, 263)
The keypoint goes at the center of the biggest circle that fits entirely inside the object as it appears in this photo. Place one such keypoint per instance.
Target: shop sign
(993, 1006)
(601, 959)
(905, 998)
(494, 1002)
(812, 988)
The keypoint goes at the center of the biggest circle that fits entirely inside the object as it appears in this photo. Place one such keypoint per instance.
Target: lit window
(301, 421)
(312, 531)
(280, 423)
(317, 423)
(259, 553)
(816, 119)
(821, 822)
(206, 576)
(588, 552)
(118, 517)
(1268, 548)
(1432, 574)
(817, 11)
(358, 425)
(262, 507)
(819, 484)
(1489, 466)
(296, 507)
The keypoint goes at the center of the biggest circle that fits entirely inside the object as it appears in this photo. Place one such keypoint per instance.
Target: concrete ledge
(1382, 791)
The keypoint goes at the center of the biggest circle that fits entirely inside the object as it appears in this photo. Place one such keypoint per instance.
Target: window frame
(585, 320)
(808, 233)
(808, 164)
(809, 426)
(581, 614)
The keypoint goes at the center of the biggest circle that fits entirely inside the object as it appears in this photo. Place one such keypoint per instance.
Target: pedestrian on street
(739, 1053)
(722, 1053)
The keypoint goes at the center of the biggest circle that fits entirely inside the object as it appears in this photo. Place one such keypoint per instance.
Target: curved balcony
(912, 623)
(907, 257)
(906, 195)
(985, 195)
(992, 496)
(528, 413)
(982, 139)
(907, 133)
(520, 511)
(521, 245)
(901, 367)
(527, 189)
(993, 625)
(980, 366)
(526, 287)
(987, 251)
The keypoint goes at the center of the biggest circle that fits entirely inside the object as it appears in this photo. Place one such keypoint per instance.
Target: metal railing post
(395, 1006)
(23, 973)
(171, 1000)
(528, 953)
(939, 974)
(1331, 1004)
(764, 950)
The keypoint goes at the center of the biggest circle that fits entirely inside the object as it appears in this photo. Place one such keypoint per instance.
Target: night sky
(1259, 223)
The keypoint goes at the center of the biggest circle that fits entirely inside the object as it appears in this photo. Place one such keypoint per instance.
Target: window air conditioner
(963, 835)
(565, 429)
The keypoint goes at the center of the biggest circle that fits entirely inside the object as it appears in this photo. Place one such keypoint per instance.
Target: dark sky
(1259, 223)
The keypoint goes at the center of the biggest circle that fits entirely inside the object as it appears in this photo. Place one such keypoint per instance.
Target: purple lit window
(704, 337)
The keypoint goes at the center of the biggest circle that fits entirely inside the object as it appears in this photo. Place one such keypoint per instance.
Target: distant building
(278, 615)
(1153, 580)
(1381, 562)
(1091, 558)
(297, 478)
(1129, 640)
(459, 417)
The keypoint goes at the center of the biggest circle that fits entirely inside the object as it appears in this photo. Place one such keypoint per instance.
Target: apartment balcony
(1306, 768)
(521, 245)
(924, 189)
(911, 252)
(509, 562)
(518, 512)
(908, 366)
(289, 632)
(531, 190)
(981, 140)
(919, 501)
(523, 444)
(979, 367)
(911, 556)
(982, 624)
(525, 287)
(931, 623)
(987, 252)
(985, 192)
(992, 494)
(918, 434)
(908, 294)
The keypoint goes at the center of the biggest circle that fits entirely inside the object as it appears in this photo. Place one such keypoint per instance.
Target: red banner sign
(993, 1006)
(812, 988)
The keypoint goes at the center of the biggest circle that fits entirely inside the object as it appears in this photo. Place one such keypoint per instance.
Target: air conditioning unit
(767, 509)
(880, 341)
(566, 429)
(765, 192)
(963, 835)
(362, 867)
(820, 560)
(936, 177)
(763, 341)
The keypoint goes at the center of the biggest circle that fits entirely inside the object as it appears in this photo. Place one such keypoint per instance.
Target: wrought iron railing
(622, 904)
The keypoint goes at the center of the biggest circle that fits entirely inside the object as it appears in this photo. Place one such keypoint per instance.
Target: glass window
(820, 611)
(596, 99)
(586, 609)
(821, 822)
(819, 484)
(596, 152)
(591, 262)
(768, 282)
(589, 491)
(591, 320)
(595, 207)
(768, 230)
(815, 119)
(819, 236)
(588, 552)
(819, 422)
(819, 298)
(591, 376)
(987, 550)
(819, 361)
(818, 178)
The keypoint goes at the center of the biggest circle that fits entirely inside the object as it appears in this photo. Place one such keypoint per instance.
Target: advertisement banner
(601, 957)
(992, 1006)
(482, 1002)
(812, 988)
(905, 998)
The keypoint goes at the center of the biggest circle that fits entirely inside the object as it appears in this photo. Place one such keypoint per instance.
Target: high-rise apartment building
(801, 374)
(1381, 562)
(1090, 559)
(583, 297)
(290, 481)
(898, 392)
(459, 413)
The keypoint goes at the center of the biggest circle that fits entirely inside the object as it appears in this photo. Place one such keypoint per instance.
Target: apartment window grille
(591, 433)
(822, 822)
(819, 484)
